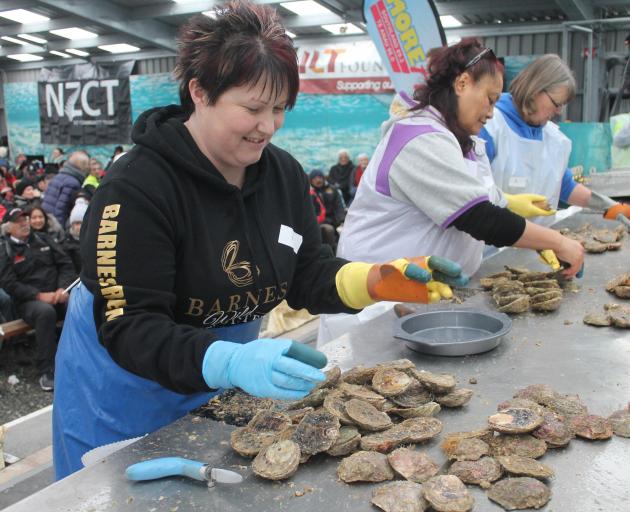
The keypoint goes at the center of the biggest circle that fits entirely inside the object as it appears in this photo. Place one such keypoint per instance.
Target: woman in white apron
(428, 188)
(527, 151)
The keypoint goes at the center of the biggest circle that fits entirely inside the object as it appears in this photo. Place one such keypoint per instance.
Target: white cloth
(524, 165)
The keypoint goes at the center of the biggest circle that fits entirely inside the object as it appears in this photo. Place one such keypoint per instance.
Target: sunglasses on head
(479, 56)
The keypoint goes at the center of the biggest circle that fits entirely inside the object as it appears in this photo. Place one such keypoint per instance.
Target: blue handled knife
(178, 466)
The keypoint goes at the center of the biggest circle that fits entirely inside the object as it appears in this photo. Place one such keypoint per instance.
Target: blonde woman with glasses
(527, 151)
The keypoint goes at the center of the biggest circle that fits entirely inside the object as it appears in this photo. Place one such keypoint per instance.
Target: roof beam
(504, 29)
(478, 7)
(107, 14)
(311, 21)
(577, 9)
(9, 5)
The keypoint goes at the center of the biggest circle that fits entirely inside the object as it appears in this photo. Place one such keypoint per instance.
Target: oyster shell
(414, 430)
(358, 375)
(390, 382)
(620, 421)
(403, 310)
(367, 416)
(515, 420)
(524, 466)
(522, 402)
(452, 440)
(234, 407)
(277, 461)
(264, 428)
(528, 277)
(317, 432)
(335, 404)
(554, 431)
(438, 383)
(597, 319)
(548, 284)
(515, 304)
(397, 364)
(523, 445)
(362, 393)
(314, 399)
(620, 285)
(518, 493)
(619, 316)
(468, 449)
(508, 288)
(333, 377)
(478, 472)
(412, 465)
(365, 467)
(347, 442)
(536, 392)
(456, 398)
(565, 405)
(429, 409)
(400, 497)
(447, 493)
(296, 415)
(415, 396)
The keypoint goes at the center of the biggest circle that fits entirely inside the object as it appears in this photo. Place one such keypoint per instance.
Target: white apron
(529, 166)
(377, 229)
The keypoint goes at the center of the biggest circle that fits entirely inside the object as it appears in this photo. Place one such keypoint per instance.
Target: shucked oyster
(400, 497)
(518, 493)
(365, 467)
(317, 432)
(515, 420)
(447, 493)
(261, 431)
(412, 464)
(277, 461)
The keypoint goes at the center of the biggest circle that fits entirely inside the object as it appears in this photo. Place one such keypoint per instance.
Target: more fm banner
(347, 68)
(85, 104)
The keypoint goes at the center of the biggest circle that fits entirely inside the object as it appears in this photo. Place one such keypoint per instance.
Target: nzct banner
(86, 104)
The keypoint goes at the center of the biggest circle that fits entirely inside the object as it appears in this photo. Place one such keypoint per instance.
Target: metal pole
(565, 58)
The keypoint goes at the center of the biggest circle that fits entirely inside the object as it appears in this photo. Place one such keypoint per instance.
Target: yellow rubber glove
(526, 205)
(549, 258)
(402, 280)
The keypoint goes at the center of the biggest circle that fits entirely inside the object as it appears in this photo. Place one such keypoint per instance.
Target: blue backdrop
(314, 131)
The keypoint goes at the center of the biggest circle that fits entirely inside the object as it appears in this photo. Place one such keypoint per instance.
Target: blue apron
(97, 402)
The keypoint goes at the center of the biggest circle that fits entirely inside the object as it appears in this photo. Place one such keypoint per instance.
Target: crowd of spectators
(42, 205)
(331, 194)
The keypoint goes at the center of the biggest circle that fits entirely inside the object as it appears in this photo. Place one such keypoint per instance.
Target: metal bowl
(453, 332)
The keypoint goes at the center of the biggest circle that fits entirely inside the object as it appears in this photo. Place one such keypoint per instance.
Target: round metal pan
(453, 332)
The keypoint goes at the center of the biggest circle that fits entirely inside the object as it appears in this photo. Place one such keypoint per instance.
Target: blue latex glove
(259, 368)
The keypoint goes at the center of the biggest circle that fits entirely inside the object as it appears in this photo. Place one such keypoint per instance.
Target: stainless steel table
(555, 348)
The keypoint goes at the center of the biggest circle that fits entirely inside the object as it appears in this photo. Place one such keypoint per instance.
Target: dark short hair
(445, 65)
(244, 44)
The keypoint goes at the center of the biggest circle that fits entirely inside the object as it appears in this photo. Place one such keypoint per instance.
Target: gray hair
(342, 151)
(544, 74)
(362, 155)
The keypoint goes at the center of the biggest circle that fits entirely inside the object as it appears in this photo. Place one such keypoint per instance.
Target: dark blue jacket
(62, 191)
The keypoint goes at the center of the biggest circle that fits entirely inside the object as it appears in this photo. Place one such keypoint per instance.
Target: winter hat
(77, 213)
(22, 184)
(315, 173)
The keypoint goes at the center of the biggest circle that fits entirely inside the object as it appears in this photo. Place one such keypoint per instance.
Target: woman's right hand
(572, 252)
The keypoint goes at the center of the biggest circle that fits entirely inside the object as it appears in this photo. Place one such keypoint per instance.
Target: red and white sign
(349, 68)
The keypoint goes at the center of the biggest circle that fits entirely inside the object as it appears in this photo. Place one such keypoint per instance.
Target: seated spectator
(335, 211)
(357, 174)
(64, 187)
(34, 270)
(45, 223)
(70, 243)
(340, 174)
(26, 193)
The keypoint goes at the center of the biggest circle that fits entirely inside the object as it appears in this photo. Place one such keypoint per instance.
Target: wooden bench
(13, 328)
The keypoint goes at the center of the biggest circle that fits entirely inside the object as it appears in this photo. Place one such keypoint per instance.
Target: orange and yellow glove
(616, 209)
(420, 279)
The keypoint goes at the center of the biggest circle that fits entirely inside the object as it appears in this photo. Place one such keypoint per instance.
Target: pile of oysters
(596, 240)
(363, 413)
(517, 290)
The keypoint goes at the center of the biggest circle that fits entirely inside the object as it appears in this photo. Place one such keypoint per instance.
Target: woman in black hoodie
(192, 237)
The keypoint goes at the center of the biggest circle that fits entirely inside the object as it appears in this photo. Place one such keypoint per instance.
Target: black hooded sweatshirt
(171, 250)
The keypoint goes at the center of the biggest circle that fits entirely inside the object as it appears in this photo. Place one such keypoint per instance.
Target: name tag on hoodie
(289, 237)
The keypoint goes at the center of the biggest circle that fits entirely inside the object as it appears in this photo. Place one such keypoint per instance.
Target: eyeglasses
(556, 105)
(479, 56)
